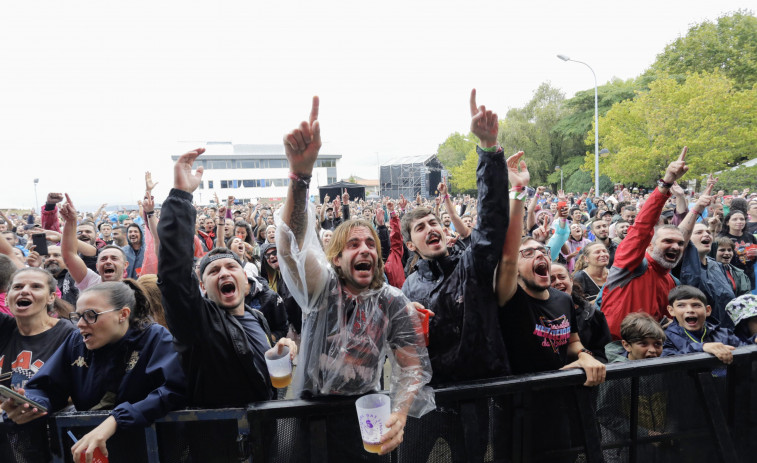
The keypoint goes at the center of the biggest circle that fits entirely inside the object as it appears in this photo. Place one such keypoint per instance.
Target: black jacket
(264, 299)
(465, 340)
(215, 353)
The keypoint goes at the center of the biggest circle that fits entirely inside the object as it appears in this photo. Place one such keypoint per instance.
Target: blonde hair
(339, 240)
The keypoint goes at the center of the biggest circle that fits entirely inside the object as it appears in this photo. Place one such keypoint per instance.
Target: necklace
(703, 335)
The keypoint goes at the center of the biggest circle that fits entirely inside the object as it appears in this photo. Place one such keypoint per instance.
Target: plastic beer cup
(373, 412)
(279, 367)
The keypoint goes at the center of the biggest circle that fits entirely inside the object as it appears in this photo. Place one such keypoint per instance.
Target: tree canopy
(705, 113)
(729, 45)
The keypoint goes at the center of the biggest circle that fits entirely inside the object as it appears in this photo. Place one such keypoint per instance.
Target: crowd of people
(148, 311)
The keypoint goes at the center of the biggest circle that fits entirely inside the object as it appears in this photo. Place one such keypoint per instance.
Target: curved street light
(596, 122)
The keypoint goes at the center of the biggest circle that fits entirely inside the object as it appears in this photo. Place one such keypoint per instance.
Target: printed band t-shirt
(537, 332)
(25, 355)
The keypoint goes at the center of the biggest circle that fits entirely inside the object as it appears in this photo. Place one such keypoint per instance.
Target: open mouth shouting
(109, 272)
(363, 270)
(541, 270)
(23, 303)
(434, 240)
(227, 289)
(691, 323)
(671, 255)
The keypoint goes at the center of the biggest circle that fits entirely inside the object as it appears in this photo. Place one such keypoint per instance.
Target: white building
(252, 172)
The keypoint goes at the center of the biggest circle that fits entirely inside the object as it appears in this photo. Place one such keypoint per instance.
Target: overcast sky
(92, 94)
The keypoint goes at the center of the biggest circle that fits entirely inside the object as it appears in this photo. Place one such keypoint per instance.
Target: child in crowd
(690, 332)
(641, 338)
(743, 312)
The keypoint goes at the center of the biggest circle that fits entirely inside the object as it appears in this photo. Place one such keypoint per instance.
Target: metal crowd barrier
(683, 408)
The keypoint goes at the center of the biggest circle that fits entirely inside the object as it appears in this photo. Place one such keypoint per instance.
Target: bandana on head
(222, 255)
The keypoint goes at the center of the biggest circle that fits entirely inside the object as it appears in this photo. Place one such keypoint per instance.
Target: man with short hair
(106, 232)
(53, 263)
(621, 230)
(208, 234)
(640, 280)
(457, 287)
(119, 236)
(602, 234)
(110, 261)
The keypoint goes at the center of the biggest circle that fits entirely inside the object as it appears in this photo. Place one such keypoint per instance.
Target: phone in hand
(9, 393)
(39, 240)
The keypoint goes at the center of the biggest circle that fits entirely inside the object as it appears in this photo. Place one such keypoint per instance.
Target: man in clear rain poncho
(351, 318)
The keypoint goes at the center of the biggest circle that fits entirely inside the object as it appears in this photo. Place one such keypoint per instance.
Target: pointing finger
(314, 109)
(473, 107)
(683, 153)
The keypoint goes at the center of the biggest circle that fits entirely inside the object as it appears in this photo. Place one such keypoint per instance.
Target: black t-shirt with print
(537, 332)
(25, 355)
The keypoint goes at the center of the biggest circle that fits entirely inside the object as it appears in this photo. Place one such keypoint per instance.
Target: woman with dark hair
(745, 251)
(240, 249)
(592, 324)
(119, 360)
(244, 232)
(27, 341)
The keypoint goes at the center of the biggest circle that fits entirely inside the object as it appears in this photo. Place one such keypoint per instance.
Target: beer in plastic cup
(279, 367)
(373, 412)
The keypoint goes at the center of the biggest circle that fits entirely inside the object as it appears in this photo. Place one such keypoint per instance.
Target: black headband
(221, 255)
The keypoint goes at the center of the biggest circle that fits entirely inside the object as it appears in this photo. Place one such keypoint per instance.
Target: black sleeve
(386, 246)
(488, 237)
(182, 301)
(275, 313)
(346, 212)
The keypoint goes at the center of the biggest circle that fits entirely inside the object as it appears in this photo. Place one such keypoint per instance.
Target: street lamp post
(560, 169)
(36, 202)
(596, 122)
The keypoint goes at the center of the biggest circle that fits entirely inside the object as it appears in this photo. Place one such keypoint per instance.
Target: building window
(217, 164)
(331, 180)
(202, 185)
(224, 184)
(250, 164)
(210, 184)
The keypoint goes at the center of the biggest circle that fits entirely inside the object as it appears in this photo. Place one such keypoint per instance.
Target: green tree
(530, 129)
(738, 179)
(452, 152)
(705, 113)
(729, 45)
(582, 181)
(463, 176)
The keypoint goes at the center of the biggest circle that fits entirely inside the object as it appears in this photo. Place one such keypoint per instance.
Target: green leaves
(717, 123)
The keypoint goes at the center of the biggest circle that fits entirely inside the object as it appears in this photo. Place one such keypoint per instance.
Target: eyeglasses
(529, 252)
(270, 254)
(89, 316)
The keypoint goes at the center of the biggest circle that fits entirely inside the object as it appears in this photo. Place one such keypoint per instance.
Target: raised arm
(182, 301)
(460, 227)
(69, 244)
(631, 250)
(531, 213)
(506, 281)
(488, 236)
(302, 261)
(49, 216)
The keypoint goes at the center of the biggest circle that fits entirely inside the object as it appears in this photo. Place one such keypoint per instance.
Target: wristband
(518, 188)
(303, 180)
(696, 212)
(150, 214)
(446, 197)
(586, 351)
(518, 196)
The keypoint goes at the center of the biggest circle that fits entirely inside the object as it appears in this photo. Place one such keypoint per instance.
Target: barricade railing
(682, 408)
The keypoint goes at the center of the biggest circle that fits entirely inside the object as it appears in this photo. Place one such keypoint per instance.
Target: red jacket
(636, 282)
(395, 271)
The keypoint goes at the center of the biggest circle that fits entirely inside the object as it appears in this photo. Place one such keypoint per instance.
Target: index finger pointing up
(473, 107)
(314, 110)
(683, 153)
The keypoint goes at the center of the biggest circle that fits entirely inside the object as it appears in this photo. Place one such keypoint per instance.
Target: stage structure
(411, 175)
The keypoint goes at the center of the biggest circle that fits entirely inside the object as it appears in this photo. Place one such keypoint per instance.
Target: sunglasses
(89, 316)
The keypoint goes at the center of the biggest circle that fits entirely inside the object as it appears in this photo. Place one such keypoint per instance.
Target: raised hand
(402, 203)
(677, 190)
(54, 198)
(484, 123)
(677, 168)
(149, 184)
(230, 201)
(380, 220)
(711, 181)
(517, 171)
(68, 211)
(303, 143)
(442, 188)
(390, 206)
(148, 203)
(345, 197)
(183, 178)
(326, 199)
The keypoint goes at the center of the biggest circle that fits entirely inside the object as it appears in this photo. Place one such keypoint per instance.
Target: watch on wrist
(663, 184)
(586, 351)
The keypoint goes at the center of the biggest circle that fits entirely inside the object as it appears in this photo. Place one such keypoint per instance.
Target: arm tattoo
(298, 219)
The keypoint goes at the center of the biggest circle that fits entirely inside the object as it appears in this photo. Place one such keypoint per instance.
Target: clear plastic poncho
(345, 339)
